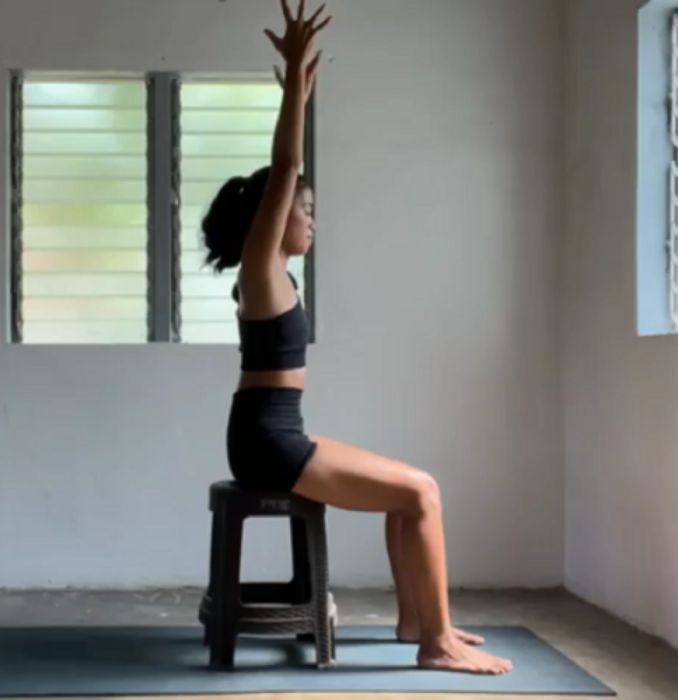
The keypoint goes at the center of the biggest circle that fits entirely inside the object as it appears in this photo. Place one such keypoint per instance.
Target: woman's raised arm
(265, 236)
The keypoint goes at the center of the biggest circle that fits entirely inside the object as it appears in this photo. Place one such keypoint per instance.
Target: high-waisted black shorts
(265, 441)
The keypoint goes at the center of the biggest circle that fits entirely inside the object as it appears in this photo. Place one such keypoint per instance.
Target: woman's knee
(424, 494)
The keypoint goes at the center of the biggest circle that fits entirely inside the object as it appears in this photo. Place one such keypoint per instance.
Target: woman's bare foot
(451, 654)
(409, 633)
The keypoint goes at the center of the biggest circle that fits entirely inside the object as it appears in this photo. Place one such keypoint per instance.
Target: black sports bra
(274, 343)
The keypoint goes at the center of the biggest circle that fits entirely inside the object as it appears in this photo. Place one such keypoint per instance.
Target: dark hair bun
(224, 233)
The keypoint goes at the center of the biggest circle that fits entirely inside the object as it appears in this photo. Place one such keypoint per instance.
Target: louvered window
(226, 130)
(80, 214)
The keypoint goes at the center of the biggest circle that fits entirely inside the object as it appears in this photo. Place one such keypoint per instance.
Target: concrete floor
(637, 666)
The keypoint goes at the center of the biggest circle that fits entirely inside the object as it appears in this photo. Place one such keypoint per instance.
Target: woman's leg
(407, 629)
(348, 477)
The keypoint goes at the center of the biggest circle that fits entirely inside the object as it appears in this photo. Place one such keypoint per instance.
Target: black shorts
(265, 442)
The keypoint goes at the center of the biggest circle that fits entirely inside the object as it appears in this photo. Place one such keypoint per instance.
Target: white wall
(438, 220)
(621, 391)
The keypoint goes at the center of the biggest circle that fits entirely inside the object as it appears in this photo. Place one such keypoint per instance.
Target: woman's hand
(297, 44)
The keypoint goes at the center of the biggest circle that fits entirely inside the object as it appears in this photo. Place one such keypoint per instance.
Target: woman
(260, 222)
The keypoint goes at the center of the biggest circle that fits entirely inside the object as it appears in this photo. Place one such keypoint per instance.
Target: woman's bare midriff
(277, 379)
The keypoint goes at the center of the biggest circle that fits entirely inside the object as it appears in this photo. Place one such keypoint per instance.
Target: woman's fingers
(309, 30)
(286, 10)
(313, 65)
(275, 40)
(322, 25)
(297, 42)
(309, 87)
(309, 22)
(311, 72)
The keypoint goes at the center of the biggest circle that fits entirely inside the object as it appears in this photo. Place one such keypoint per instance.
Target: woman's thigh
(349, 477)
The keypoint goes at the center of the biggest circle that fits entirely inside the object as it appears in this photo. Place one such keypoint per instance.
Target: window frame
(655, 153)
(672, 243)
(16, 205)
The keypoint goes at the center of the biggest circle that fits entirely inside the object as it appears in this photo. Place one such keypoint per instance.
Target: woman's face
(300, 229)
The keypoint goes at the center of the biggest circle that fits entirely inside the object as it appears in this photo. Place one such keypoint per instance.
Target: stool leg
(226, 592)
(317, 541)
(301, 580)
(207, 603)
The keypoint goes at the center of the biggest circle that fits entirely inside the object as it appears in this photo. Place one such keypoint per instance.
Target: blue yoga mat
(43, 661)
